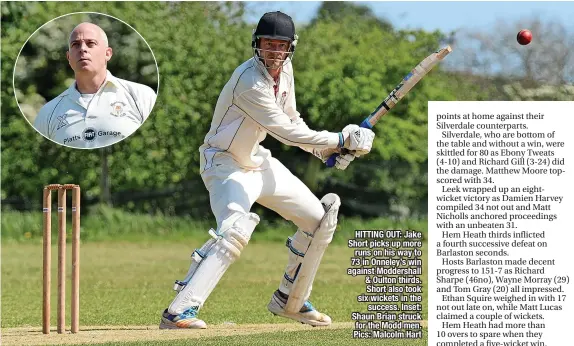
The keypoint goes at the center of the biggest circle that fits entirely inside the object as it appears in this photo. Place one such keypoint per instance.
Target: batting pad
(308, 269)
(226, 250)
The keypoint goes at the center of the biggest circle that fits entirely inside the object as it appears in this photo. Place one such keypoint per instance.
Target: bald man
(98, 109)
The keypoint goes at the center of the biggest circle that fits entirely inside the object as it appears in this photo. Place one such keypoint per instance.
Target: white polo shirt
(97, 120)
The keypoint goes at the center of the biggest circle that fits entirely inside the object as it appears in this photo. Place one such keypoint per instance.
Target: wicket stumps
(47, 242)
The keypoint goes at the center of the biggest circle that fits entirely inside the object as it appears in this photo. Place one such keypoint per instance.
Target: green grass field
(129, 283)
(100, 223)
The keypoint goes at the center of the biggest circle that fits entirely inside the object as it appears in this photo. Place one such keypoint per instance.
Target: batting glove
(358, 139)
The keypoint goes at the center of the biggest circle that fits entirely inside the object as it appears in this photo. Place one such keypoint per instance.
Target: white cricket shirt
(248, 109)
(114, 112)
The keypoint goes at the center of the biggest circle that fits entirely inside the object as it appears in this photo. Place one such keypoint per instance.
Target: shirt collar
(110, 79)
(263, 69)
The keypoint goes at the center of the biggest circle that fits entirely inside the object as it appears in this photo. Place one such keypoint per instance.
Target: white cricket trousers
(233, 190)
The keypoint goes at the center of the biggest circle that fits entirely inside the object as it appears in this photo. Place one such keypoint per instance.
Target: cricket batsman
(259, 99)
(98, 109)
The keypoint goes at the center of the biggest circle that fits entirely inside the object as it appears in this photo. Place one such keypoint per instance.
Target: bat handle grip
(333, 158)
(366, 124)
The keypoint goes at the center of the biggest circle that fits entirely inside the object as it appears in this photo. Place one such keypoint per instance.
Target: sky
(445, 16)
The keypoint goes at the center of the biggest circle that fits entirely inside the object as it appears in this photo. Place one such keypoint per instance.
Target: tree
(342, 71)
(549, 59)
(337, 10)
(197, 45)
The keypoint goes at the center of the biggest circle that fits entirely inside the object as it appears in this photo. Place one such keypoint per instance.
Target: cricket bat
(400, 91)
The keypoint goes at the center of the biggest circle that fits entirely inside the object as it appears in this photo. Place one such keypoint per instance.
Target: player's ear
(109, 53)
(68, 56)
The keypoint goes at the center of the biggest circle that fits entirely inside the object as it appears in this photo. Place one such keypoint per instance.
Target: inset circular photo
(86, 80)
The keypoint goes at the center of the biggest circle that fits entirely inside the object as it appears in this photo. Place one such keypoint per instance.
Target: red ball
(524, 37)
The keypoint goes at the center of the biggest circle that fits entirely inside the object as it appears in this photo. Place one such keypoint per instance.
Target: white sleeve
(42, 121)
(146, 100)
(321, 153)
(259, 105)
(291, 110)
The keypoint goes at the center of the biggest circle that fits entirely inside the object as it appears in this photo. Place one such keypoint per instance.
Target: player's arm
(321, 153)
(42, 120)
(145, 98)
(291, 111)
(342, 161)
(344, 158)
(259, 105)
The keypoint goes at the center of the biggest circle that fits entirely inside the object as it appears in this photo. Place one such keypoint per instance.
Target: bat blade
(408, 82)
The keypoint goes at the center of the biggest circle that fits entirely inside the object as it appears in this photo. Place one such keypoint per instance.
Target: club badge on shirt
(118, 109)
